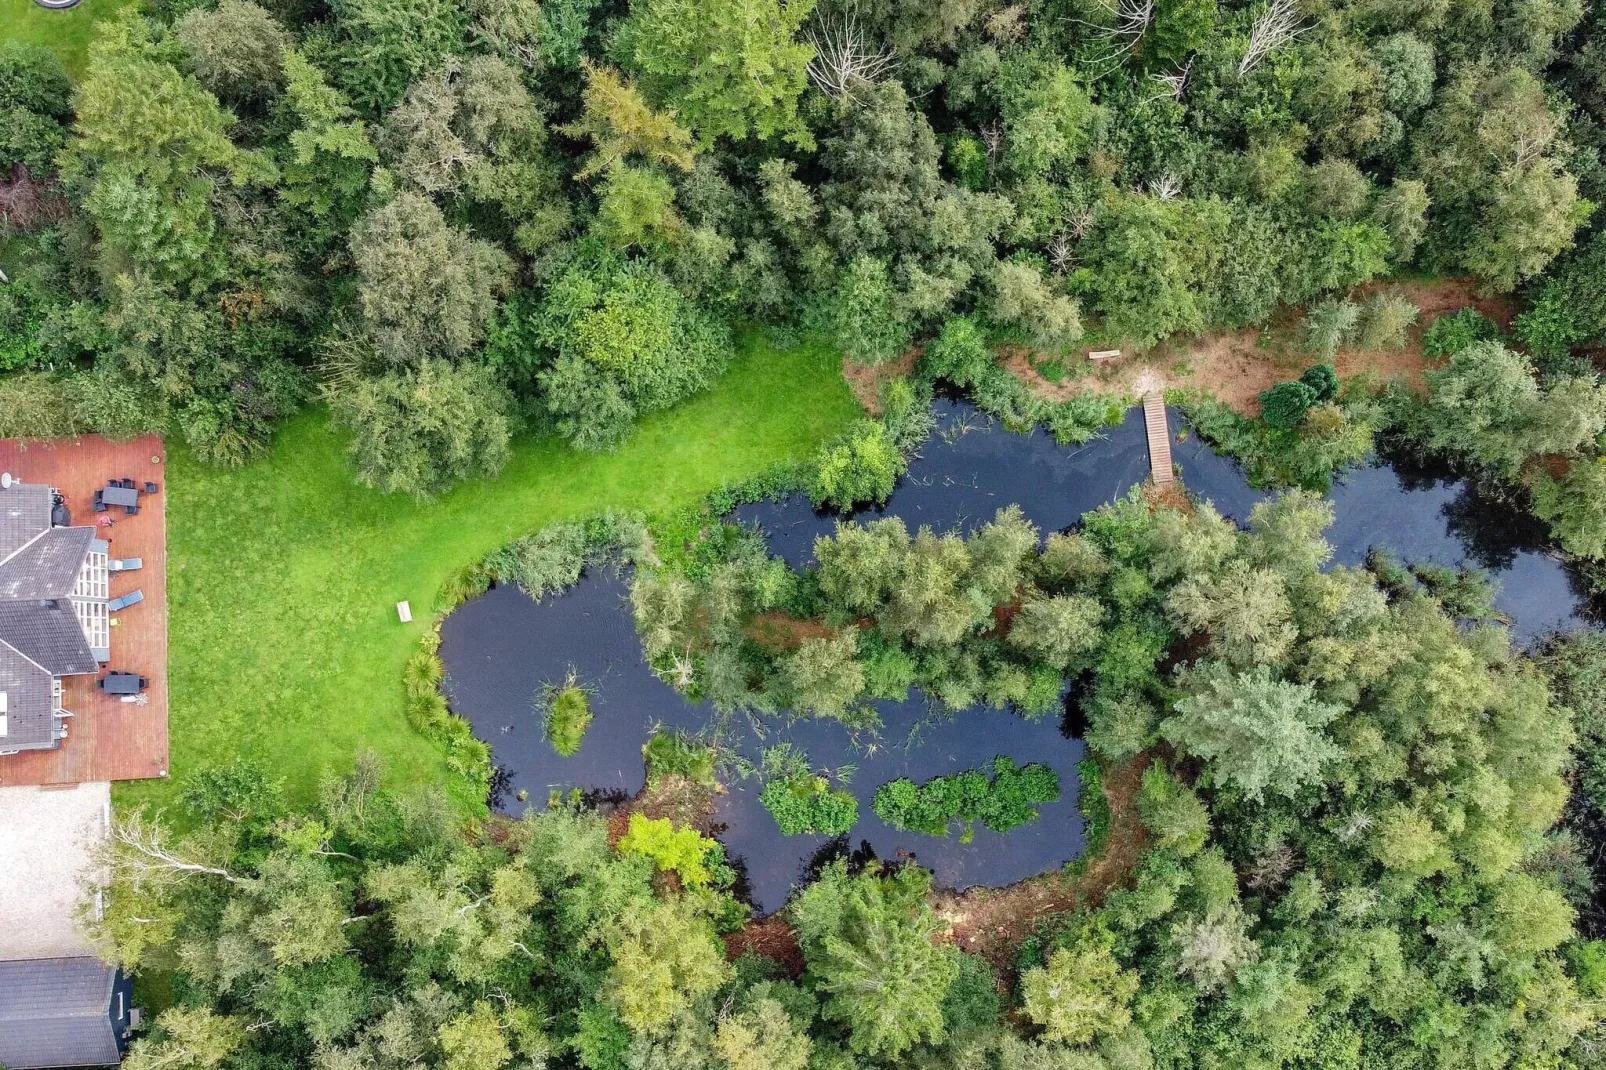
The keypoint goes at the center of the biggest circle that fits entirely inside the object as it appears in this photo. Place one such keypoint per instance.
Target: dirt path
(1236, 366)
(992, 922)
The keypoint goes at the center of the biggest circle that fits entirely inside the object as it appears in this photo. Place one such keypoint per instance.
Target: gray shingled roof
(49, 634)
(56, 1012)
(24, 513)
(47, 567)
(30, 712)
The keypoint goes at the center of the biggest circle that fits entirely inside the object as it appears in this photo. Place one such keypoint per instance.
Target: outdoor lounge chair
(125, 601)
(127, 564)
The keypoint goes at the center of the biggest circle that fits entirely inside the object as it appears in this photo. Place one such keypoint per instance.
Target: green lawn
(67, 32)
(283, 577)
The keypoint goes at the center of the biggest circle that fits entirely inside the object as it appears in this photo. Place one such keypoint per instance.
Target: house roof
(24, 513)
(39, 567)
(48, 634)
(57, 1012)
(30, 722)
(46, 567)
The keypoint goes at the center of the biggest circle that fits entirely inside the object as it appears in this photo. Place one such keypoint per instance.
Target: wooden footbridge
(1159, 437)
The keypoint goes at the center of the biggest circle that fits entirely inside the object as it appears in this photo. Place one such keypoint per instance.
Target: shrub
(1323, 379)
(1285, 405)
(697, 859)
(1385, 319)
(567, 713)
(1450, 334)
(1329, 325)
(959, 354)
(1006, 801)
(808, 803)
(861, 465)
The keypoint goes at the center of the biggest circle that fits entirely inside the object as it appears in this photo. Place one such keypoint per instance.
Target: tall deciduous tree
(423, 427)
(151, 146)
(730, 68)
(1259, 734)
(867, 940)
(425, 288)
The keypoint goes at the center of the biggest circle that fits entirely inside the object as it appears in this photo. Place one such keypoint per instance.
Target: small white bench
(404, 611)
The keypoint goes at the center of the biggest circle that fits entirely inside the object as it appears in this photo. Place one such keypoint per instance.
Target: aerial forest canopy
(452, 219)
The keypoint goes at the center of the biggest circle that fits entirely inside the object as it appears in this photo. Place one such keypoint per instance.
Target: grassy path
(284, 575)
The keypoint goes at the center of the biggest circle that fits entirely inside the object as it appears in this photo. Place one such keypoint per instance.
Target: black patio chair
(99, 506)
(151, 488)
(131, 509)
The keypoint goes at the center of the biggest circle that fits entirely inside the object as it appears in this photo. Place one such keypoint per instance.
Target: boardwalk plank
(1159, 432)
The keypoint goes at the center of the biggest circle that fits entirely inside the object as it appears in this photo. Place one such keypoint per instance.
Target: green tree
(1081, 994)
(150, 171)
(425, 288)
(863, 315)
(762, 1037)
(423, 428)
(620, 123)
(1022, 299)
(867, 941)
(665, 955)
(1059, 629)
(1258, 734)
(731, 68)
(1486, 403)
(1575, 505)
(236, 49)
(188, 1039)
(824, 675)
(330, 154)
(383, 46)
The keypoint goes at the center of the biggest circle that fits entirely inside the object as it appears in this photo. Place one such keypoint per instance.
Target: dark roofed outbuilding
(63, 1012)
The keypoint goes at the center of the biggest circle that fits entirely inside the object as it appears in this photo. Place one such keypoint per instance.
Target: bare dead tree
(141, 850)
(1080, 222)
(992, 137)
(1354, 825)
(843, 60)
(1276, 26)
(1165, 187)
(1128, 21)
(1061, 255)
(1175, 84)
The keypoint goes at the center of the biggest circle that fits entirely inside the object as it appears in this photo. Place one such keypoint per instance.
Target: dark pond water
(501, 647)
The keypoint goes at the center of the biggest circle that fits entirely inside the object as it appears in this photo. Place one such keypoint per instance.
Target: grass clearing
(67, 33)
(283, 576)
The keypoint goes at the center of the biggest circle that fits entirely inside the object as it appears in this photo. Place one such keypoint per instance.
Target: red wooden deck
(107, 739)
(1159, 437)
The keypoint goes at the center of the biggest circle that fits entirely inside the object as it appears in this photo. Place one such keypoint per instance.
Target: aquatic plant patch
(809, 803)
(566, 709)
(1008, 800)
